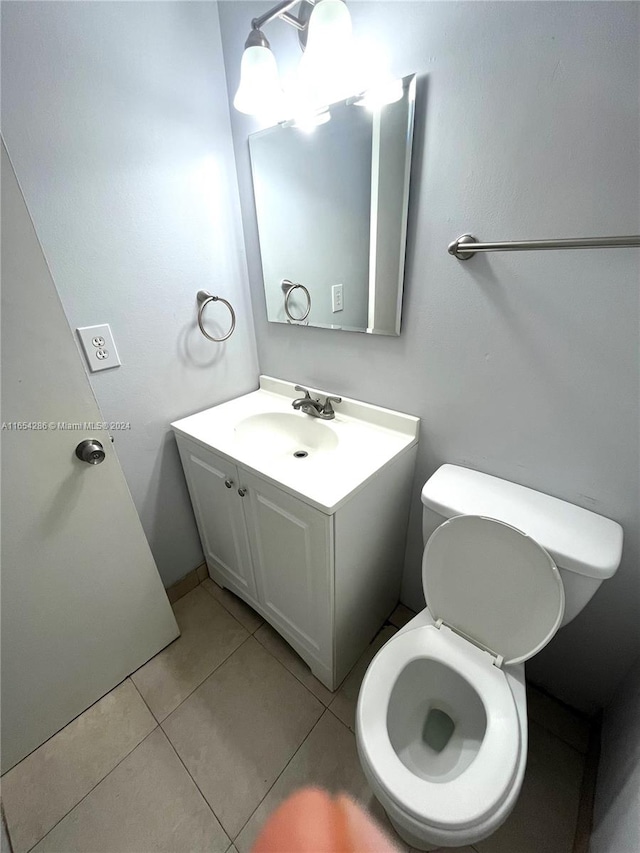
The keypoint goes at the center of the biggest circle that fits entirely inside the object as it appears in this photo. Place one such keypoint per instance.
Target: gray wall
(116, 118)
(616, 828)
(524, 366)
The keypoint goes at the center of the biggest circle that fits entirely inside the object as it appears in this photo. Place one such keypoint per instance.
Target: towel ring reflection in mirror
(288, 288)
(204, 298)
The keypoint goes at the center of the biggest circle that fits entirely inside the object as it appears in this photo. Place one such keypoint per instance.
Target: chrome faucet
(315, 408)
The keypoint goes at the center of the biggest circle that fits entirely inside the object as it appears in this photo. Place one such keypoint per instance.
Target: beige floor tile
(544, 818)
(148, 804)
(246, 615)
(5, 845)
(280, 649)
(239, 729)
(327, 759)
(39, 791)
(346, 699)
(209, 635)
(401, 615)
(557, 718)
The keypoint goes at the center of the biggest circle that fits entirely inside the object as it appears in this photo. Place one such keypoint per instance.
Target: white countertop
(363, 438)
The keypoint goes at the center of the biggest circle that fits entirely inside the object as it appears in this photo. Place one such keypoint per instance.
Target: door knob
(242, 492)
(228, 483)
(91, 451)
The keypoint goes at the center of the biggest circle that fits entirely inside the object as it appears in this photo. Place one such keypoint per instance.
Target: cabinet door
(219, 514)
(291, 545)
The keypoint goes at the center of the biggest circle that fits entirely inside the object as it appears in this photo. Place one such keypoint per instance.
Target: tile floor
(196, 748)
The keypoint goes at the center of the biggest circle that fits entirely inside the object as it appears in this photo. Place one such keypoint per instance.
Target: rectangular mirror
(331, 204)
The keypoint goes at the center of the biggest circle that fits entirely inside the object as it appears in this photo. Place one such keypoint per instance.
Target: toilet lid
(494, 584)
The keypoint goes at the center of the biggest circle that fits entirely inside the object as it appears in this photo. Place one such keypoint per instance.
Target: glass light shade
(325, 70)
(259, 92)
(329, 28)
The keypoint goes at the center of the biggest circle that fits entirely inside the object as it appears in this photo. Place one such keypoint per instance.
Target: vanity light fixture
(259, 91)
(326, 73)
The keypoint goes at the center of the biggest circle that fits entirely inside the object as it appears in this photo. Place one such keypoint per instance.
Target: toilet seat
(478, 790)
(494, 585)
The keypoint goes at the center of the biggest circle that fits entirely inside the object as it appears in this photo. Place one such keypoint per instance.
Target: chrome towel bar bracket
(204, 298)
(466, 246)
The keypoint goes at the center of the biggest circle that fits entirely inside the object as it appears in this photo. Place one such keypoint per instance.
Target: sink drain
(300, 454)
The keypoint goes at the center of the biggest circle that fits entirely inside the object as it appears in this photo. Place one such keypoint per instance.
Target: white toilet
(441, 722)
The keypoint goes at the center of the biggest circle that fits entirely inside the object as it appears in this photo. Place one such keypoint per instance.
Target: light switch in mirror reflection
(332, 205)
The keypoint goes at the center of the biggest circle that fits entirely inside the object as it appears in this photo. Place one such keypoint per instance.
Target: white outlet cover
(99, 347)
(337, 303)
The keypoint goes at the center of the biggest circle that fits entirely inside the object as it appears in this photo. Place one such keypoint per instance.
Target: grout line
(77, 716)
(199, 684)
(223, 605)
(5, 827)
(145, 702)
(323, 709)
(307, 736)
(155, 728)
(333, 694)
(347, 727)
(253, 634)
(185, 766)
(193, 779)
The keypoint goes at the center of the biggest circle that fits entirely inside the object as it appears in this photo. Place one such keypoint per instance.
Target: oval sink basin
(284, 432)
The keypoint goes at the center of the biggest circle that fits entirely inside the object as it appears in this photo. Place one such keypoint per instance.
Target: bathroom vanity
(303, 518)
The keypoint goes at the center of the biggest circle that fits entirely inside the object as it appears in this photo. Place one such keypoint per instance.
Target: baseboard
(584, 824)
(190, 581)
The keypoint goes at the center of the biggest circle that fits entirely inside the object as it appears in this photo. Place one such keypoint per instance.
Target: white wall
(616, 828)
(521, 365)
(116, 118)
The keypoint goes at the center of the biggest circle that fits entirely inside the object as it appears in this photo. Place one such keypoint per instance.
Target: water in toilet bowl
(436, 720)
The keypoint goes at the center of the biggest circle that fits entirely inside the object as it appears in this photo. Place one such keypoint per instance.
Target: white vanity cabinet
(268, 547)
(319, 557)
(291, 551)
(213, 487)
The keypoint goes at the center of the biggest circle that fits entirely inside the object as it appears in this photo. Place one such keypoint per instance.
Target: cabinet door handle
(228, 483)
(242, 492)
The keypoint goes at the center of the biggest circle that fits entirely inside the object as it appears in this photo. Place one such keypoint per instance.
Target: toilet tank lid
(578, 540)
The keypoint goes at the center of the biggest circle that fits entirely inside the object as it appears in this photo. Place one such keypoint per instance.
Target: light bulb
(259, 92)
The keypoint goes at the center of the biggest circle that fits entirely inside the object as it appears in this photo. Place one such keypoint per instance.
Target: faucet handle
(328, 408)
(307, 395)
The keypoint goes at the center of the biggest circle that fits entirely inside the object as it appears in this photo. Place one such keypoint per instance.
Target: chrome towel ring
(204, 298)
(289, 287)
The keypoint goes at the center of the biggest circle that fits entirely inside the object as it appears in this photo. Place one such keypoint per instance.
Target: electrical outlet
(99, 347)
(336, 298)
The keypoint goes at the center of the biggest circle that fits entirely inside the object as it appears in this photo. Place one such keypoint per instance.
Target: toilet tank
(585, 547)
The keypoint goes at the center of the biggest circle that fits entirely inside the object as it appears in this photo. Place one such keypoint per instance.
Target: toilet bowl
(441, 722)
